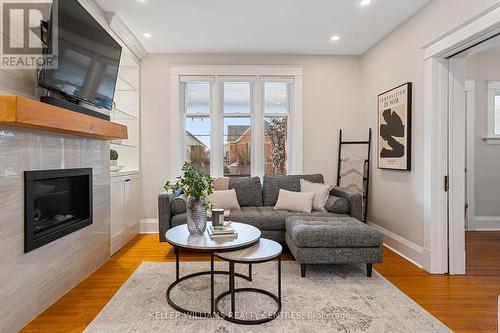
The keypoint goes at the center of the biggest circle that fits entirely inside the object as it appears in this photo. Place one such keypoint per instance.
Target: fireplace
(57, 203)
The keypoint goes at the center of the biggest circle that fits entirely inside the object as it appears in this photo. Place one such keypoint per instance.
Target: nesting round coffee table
(180, 238)
(263, 251)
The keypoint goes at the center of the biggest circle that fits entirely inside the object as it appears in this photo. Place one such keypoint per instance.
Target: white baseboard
(410, 251)
(148, 226)
(484, 223)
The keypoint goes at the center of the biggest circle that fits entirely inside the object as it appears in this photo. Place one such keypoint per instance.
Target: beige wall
(482, 68)
(397, 197)
(331, 102)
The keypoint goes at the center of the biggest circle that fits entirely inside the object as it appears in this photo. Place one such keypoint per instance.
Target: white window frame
(236, 73)
(491, 136)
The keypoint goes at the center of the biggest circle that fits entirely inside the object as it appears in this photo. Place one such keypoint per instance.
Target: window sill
(492, 140)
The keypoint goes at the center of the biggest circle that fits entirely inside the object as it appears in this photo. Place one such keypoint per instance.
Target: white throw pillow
(224, 199)
(321, 193)
(295, 201)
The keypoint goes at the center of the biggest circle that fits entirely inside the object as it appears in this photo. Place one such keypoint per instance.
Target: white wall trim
(127, 37)
(435, 166)
(470, 95)
(148, 226)
(239, 70)
(493, 88)
(484, 223)
(403, 247)
(480, 27)
(456, 164)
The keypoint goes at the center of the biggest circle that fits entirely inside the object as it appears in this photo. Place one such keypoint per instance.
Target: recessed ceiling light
(365, 2)
(141, 0)
(335, 38)
(147, 35)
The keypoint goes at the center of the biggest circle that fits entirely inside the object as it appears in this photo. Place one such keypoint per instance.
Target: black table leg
(250, 272)
(231, 316)
(176, 251)
(212, 283)
(279, 279)
(231, 287)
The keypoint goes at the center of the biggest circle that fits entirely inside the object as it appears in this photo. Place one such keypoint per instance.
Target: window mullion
(217, 131)
(258, 130)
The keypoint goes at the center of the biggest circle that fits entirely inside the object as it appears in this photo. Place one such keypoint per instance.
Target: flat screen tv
(88, 57)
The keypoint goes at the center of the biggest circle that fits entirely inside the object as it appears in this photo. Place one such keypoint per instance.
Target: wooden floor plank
(464, 303)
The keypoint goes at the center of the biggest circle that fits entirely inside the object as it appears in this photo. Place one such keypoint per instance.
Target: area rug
(335, 298)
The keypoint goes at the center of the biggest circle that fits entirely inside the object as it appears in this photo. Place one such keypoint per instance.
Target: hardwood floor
(464, 303)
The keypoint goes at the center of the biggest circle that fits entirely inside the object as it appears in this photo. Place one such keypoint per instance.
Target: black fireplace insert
(56, 203)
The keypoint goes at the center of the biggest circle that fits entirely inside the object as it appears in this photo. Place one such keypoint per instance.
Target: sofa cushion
(248, 190)
(295, 201)
(178, 205)
(321, 193)
(337, 232)
(263, 218)
(268, 218)
(224, 199)
(273, 184)
(337, 205)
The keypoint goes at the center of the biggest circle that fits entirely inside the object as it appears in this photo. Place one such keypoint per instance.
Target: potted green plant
(196, 186)
(113, 157)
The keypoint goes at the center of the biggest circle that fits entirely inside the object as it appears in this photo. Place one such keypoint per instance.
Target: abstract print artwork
(394, 124)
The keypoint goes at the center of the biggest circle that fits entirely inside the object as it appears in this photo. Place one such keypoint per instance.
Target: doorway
(445, 144)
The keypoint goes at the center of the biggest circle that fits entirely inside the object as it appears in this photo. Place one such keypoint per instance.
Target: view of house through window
(276, 108)
(198, 124)
(230, 127)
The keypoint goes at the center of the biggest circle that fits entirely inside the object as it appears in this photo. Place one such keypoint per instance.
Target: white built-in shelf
(124, 85)
(121, 144)
(117, 114)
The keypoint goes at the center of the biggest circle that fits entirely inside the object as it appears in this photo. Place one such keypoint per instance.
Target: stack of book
(225, 232)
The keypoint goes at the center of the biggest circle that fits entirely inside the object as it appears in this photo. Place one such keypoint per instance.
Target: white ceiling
(261, 26)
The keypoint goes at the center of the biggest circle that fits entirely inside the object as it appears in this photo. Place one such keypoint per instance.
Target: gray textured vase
(196, 216)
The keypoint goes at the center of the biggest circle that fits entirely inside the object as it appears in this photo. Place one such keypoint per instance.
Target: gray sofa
(257, 205)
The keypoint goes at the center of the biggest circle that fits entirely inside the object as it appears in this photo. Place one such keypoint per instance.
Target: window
(197, 124)
(238, 125)
(237, 110)
(276, 111)
(493, 135)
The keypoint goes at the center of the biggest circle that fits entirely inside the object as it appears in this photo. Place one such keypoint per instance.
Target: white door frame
(470, 96)
(436, 103)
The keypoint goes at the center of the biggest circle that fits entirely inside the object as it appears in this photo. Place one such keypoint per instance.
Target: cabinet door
(131, 201)
(117, 206)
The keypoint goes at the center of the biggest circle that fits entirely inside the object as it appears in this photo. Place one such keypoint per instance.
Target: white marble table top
(264, 250)
(179, 236)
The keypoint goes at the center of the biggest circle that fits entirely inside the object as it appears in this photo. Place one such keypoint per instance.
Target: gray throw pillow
(337, 205)
(248, 191)
(178, 205)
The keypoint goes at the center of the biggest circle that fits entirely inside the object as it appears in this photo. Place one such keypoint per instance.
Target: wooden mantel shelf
(29, 113)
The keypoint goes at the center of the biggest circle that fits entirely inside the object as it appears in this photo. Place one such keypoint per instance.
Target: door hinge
(446, 183)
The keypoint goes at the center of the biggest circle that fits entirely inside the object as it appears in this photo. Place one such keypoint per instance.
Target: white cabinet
(124, 209)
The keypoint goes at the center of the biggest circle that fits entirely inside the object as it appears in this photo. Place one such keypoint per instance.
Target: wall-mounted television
(88, 57)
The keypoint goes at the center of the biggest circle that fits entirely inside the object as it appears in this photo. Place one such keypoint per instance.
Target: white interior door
(456, 165)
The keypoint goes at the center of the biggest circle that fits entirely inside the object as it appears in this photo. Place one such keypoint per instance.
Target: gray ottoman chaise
(337, 240)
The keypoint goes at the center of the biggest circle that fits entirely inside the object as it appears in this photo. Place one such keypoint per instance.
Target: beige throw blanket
(352, 174)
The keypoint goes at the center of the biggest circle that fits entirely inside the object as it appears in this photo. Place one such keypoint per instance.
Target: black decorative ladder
(366, 177)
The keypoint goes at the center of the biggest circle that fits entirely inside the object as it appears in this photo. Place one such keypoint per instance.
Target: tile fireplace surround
(33, 281)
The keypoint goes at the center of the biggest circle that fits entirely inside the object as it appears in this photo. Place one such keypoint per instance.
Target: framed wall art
(394, 128)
